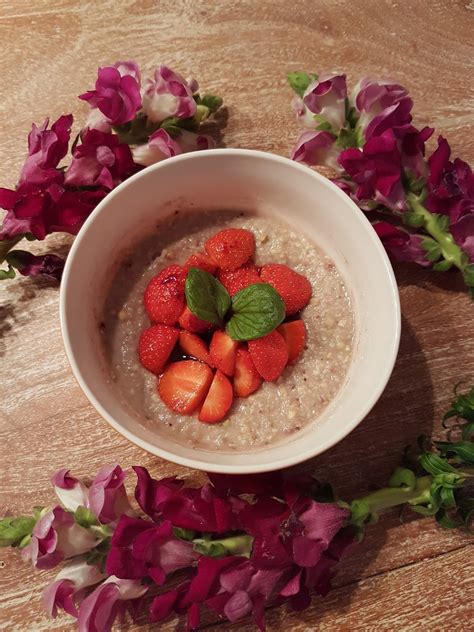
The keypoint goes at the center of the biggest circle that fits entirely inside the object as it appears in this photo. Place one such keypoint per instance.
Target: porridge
(278, 408)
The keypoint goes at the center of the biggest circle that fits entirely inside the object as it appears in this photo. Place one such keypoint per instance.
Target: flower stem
(232, 545)
(393, 496)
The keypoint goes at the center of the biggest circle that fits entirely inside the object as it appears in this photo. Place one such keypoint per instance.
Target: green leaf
(7, 274)
(13, 530)
(206, 297)
(347, 138)
(468, 275)
(411, 218)
(210, 101)
(184, 534)
(445, 521)
(467, 431)
(442, 266)
(85, 517)
(462, 449)
(435, 465)
(256, 311)
(462, 406)
(432, 248)
(299, 81)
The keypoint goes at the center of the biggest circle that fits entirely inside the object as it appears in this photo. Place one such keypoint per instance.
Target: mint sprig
(254, 312)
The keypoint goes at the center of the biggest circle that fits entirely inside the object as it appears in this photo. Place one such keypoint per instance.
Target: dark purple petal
(292, 587)
(400, 244)
(129, 528)
(162, 606)
(194, 615)
(463, 233)
(28, 264)
(322, 521)
(238, 606)
(316, 148)
(301, 601)
(122, 563)
(59, 594)
(438, 161)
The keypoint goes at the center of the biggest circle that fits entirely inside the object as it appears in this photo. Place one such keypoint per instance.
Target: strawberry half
(246, 378)
(236, 280)
(201, 261)
(164, 296)
(218, 401)
(295, 337)
(231, 248)
(192, 323)
(223, 350)
(155, 346)
(195, 347)
(184, 385)
(294, 288)
(270, 355)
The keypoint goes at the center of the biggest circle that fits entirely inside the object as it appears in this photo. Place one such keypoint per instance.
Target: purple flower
(160, 146)
(29, 264)
(381, 106)
(46, 148)
(377, 170)
(71, 491)
(69, 586)
(117, 92)
(107, 496)
(56, 536)
(110, 599)
(168, 95)
(412, 149)
(463, 232)
(316, 148)
(325, 98)
(400, 244)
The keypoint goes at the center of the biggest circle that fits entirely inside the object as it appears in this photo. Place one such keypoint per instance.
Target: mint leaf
(299, 81)
(206, 297)
(257, 310)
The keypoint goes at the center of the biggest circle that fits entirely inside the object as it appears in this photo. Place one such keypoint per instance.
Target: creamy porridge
(278, 409)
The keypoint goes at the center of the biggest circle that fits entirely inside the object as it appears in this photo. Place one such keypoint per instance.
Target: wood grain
(404, 576)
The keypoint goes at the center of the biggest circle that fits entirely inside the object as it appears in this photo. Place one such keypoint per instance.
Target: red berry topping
(236, 280)
(223, 350)
(164, 296)
(246, 378)
(155, 346)
(194, 346)
(184, 385)
(231, 248)
(192, 323)
(201, 261)
(218, 401)
(270, 355)
(294, 289)
(294, 334)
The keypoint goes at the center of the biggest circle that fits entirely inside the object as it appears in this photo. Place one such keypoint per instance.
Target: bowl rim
(283, 462)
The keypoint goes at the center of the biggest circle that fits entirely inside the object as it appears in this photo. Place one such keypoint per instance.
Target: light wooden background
(406, 576)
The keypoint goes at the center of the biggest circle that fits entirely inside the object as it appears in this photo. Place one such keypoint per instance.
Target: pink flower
(100, 160)
(29, 264)
(412, 149)
(400, 244)
(110, 599)
(381, 106)
(107, 496)
(160, 146)
(117, 92)
(168, 95)
(377, 170)
(69, 586)
(46, 148)
(56, 536)
(316, 148)
(71, 491)
(463, 232)
(324, 97)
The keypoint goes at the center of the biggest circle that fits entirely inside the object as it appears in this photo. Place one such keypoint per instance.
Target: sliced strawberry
(164, 296)
(155, 346)
(246, 378)
(294, 288)
(236, 280)
(231, 248)
(202, 261)
(270, 355)
(184, 385)
(218, 401)
(192, 323)
(294, 334)
(223, 350)
(195, 347)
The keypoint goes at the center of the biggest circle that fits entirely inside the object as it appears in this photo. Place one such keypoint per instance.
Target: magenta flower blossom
(100, 160)
(56, 536)
(169, 94)
(381, 106)
(46, 148)
(463, 232)
(376, 169)
(107, 496)
(316, 148)
(117, 92)
(28, 264)
(71, 491)
(160, 146)
(109, 600)
(325, 97)
(69, 585)
(400, 244)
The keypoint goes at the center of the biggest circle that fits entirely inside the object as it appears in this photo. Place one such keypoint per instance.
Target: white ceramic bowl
(244, 180)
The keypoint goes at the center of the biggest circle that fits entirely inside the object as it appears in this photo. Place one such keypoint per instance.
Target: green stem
(232, 545)
(7, 244)
(449, 248)
(393, 496)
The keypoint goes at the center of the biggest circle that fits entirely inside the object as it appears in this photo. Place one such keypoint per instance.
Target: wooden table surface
(405, 576)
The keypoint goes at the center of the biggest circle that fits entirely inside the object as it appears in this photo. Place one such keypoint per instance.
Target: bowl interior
(248, 181)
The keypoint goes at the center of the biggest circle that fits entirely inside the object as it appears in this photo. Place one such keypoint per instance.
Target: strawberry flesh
(155, 346)
(184, 385)
(270, 355)
(195, 347)
(223, 350)
(231, 248)
(246, 378)
(218, 401)
(192, 323)
(236, 280)
(202, 261)
(164, 296)
(294, 334)
(294, 288)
